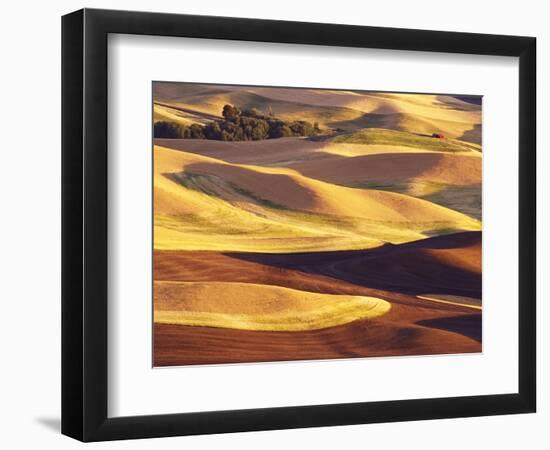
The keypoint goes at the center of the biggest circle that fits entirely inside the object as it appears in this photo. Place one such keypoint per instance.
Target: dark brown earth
(448, 265)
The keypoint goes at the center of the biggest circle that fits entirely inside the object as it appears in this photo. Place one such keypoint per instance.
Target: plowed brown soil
(396, 273)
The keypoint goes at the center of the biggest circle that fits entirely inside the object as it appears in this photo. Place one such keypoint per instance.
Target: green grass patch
(380, 136)
(258, 200)
(464, 199)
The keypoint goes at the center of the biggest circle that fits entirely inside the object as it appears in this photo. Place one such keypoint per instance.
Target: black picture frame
(84, 224)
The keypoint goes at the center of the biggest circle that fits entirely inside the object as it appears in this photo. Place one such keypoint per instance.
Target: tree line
(237, 125)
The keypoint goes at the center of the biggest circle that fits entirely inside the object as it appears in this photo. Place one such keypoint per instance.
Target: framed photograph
(274, 225)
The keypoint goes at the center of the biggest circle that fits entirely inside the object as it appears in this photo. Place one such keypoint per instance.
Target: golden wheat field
(309, 224)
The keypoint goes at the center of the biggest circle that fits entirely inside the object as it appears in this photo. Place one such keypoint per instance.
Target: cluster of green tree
(237, 125)
(172, 130)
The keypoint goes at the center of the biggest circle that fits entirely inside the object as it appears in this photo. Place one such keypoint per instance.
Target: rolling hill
(363, 239)
(202, 201)
(247, 306)
(333, 109)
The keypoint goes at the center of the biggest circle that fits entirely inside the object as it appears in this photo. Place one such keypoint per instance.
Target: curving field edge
(255, 307)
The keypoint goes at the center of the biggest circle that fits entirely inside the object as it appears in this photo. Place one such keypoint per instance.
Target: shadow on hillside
(473, 135)
(468, 325)
(407, 268)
